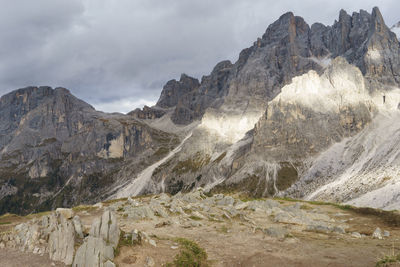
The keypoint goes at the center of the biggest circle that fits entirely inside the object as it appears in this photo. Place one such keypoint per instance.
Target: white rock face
(66, 213)
(94, 252)
(336, 88)
(78, 226)
(98, 248)
(231, 128)
(62, 241)
(53, 233)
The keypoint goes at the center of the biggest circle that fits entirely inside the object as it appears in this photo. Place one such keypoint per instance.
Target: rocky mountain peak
(286, 28)
(174, 89)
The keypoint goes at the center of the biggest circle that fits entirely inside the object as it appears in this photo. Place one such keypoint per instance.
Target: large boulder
(106, 227)
(62, 242)
(97, 249)
(94, 252)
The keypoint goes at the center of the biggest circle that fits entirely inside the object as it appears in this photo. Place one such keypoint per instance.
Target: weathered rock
(339, 230)
(66, 213)
(225, 201)
(106, 228)
(152, 242)
(94, 252)
(377, 234)
(356, 234)
(109, 264)
(174, 90)
(98, 248)
(62, 242)
(149, 262)
(276, 231)
(78, 226)
(147, 113)
(386, 233)
(138, 213)
(319, 228)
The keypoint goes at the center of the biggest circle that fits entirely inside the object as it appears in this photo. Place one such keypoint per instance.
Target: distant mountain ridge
(282, 120)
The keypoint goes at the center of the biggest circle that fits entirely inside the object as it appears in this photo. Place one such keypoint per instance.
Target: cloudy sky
(117, 54)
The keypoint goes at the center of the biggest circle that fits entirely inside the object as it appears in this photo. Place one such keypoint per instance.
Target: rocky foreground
(224, 230)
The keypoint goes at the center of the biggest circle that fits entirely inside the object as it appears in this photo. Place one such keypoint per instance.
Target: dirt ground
(235, 243)
(15, 258)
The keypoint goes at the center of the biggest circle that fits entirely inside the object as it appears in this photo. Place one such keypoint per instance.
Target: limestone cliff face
(56, 148)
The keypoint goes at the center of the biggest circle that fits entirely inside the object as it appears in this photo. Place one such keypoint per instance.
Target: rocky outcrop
(59, 233)
(62, 241)
(98, 247)
(192, 105)
(106, 228)
(174, 90)
(53, 234)
(147, 113)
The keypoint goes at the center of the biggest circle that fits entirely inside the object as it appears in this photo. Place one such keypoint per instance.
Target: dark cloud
(117, 54)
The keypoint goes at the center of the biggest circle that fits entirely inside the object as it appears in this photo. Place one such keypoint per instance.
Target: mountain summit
(306, 111)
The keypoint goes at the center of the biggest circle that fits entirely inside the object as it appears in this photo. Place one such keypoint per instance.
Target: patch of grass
(187, 211)
(37, 215)
(8, 215)
(191, 255)
(192, 164)
(245, 198)
(3, 223)
(306, 207)
(125, 240)
(223, 229)
(385, 179)
(83, 208)
(196, 218)
(111, 201)
(387, 260)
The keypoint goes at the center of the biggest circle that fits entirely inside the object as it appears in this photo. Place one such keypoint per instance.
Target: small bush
(385, 261)
(191, 255)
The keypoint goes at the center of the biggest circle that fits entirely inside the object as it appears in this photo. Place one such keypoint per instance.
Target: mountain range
(305, 112)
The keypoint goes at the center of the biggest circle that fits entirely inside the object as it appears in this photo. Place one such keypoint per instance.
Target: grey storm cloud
(117, 54)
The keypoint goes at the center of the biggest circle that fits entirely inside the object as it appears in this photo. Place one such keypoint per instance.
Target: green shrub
(191, 255)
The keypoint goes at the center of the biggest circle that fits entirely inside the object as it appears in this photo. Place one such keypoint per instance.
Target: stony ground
(237, 232)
